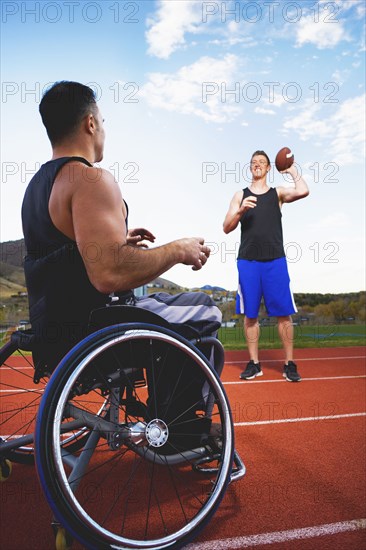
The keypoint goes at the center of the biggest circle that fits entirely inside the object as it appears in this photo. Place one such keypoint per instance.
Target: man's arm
(291, 194)
(94, 216)
(237, 208)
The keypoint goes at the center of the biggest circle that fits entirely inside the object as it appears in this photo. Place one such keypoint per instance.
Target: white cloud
(237, 33)
(333, 10)
(307, 123)
(344, 131)
(341, 76)
(168, 27)
(349, 138)
(196, 89)
(323, 34)
(263, 111)
(361, 10)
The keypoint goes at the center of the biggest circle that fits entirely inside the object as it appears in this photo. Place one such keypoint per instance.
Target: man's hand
(238, 207)
(194, 252)
(135, 237)
(292, 170)
(247, 204)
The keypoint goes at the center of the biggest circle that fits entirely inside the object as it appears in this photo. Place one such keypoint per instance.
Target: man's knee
(284, 319)
(250, 321)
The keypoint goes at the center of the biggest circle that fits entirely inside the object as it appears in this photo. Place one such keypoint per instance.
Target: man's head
(64, 107)
(260, 164)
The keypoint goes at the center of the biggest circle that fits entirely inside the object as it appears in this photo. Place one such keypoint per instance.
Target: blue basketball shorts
(269, 280)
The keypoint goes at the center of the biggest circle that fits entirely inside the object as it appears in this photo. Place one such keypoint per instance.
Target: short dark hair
(256, 153)
(63, 106)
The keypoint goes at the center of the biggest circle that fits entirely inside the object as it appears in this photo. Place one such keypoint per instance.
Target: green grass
(315, 336)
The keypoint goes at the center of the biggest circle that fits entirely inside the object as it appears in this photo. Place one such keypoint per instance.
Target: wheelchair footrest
(239, 470)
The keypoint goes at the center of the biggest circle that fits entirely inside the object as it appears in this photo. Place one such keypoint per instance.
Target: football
(284, 159)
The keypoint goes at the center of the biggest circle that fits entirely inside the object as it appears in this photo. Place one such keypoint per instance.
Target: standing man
(262, 265)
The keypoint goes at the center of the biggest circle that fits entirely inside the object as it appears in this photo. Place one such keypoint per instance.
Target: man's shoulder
(238, 195)
(278, 189)
(77, 172)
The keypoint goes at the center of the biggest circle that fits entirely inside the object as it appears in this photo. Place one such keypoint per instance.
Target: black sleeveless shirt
(261, 228)
(59, 291)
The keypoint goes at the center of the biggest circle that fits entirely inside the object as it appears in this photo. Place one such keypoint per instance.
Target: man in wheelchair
(80, 254)
(133, 437)
(81, 257)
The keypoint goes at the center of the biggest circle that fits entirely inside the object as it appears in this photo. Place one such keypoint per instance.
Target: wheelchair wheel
(19, 398)
(19, 402)
(155, 410)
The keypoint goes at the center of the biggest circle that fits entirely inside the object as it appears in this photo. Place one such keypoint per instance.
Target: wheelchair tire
(134, 484)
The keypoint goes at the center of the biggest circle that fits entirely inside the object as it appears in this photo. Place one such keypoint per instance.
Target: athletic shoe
(252, 370)
(290, 372)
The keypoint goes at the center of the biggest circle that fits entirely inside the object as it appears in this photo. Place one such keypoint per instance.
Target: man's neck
(259, 185)
(71, 151)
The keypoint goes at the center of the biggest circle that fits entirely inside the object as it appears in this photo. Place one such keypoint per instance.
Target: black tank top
(59, 291)
(261, 228)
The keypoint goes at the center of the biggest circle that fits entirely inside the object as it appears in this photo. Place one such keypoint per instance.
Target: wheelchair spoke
(19, 403)
(27, 363)
(18, 411)
(120, 494)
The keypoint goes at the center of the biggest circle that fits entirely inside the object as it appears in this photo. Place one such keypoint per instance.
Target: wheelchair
(131, 435)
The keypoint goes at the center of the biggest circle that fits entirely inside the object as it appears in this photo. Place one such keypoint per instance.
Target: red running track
(304, 447)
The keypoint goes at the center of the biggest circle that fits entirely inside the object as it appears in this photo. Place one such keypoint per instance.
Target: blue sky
(188, 90)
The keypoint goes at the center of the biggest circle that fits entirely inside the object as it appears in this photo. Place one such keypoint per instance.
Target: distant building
(141, 290)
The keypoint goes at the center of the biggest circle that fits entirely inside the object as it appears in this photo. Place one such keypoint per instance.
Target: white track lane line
(22, 391)
(244, 361)
(258, 381)
(339, 358)
(302, 379)
(280, 536)
(299, 419)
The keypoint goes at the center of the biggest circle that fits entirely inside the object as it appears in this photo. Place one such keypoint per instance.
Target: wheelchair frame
(123, 461)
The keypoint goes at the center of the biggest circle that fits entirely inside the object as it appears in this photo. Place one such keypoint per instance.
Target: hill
(12, 253)
(12, 280)
(213, 288)
(163, 284)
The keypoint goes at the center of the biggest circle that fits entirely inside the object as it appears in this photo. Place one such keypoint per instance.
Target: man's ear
(90, 125)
